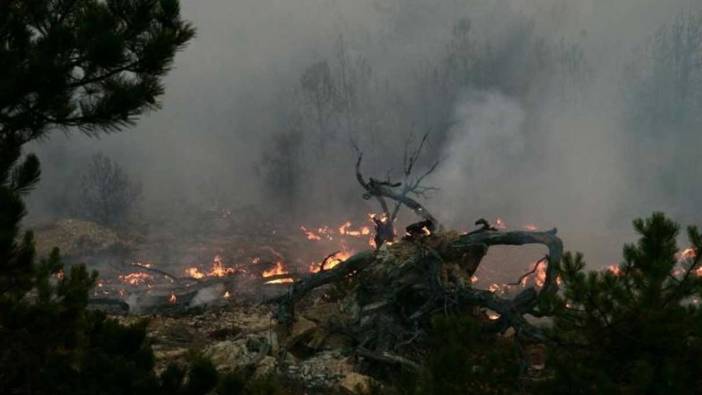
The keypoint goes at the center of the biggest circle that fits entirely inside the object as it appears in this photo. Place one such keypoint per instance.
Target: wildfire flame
(330, 262)
(277, 270)
(323, 232)
(218, 269)
(346, 229)
(194, 273)
(138, 278)
(172, 299)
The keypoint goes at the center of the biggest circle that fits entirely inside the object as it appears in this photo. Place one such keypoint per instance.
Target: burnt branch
(399, 191)
(162, 272)
(300, 288)
(530, 272)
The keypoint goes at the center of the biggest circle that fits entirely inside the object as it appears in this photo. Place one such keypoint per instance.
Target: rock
(228, 355)
(74, 237)
(301, 329)
(355, 383)
(266, 367)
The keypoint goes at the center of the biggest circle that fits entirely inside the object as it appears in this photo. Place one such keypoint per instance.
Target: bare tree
(107, 194)
(398, 192)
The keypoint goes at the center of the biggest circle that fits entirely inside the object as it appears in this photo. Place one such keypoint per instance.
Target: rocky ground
(246, 339)
(318, 352)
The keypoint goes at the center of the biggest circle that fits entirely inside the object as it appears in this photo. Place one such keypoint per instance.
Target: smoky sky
(573, 146)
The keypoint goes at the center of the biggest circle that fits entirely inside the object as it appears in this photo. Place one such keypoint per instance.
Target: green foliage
(94, 65)
(464, 360)
(90, 64)
(236, 384)
(50, 343)
(636, 331)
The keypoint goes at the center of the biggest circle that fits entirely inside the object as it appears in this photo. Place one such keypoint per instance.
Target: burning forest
(370, 197)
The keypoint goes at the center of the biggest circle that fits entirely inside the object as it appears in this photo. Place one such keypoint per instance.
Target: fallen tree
(391, 293)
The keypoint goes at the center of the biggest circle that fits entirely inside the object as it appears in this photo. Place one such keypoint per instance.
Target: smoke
(539, 108)
(482, 147)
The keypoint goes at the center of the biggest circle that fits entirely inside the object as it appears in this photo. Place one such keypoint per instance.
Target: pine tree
(634, 329)
(93, 65)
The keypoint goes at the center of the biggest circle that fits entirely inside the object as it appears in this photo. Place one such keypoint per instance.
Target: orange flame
(194, 273)
(218, 269)
(138, 278)
(278, 269)
(492, 316)
(330, 262)
(172, 299)
(275, 270)
(615, 269)
(540, 277)
(345, 229)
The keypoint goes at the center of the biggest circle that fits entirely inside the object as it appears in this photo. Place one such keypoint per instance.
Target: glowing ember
(323, 232)
(310, 234)
(281, 281)
(227, 295)
(615, 269)
(687, 254)
(500, 224)
(494, 288)
(138, 278)
(540, 277)
(172, 299)
(492, 315)
(345, 229)
(473, 279)
(530, 227)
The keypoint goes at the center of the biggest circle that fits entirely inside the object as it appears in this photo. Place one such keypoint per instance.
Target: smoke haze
(567, 113)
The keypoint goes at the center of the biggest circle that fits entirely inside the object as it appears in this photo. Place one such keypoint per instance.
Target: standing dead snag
(399, 192)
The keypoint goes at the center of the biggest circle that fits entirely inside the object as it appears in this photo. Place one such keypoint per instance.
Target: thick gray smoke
(580, 114)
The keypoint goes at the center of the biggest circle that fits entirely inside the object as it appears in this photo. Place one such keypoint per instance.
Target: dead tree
(396, 290)
(398, 192)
